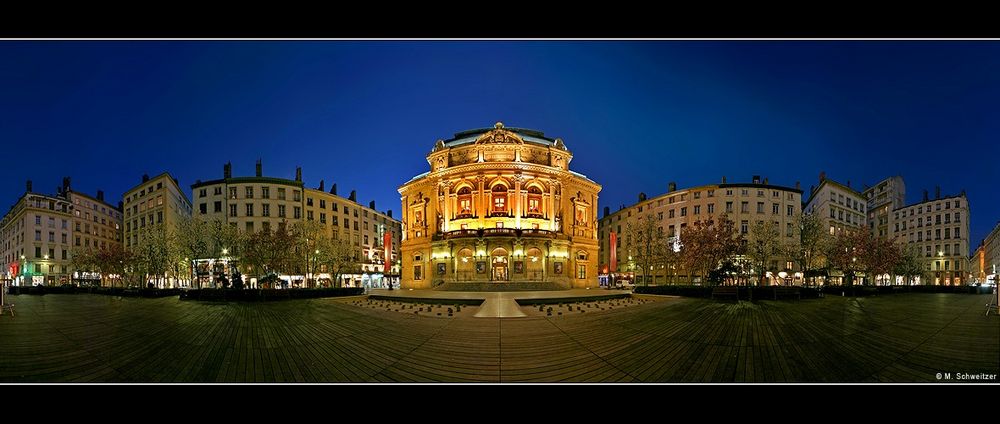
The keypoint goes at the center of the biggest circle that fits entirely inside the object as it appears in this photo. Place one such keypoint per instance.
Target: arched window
(464, 203)
(534, 202)
(499, 200)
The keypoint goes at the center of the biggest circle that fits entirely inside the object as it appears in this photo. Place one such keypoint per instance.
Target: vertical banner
(387, 242)
(614, 252)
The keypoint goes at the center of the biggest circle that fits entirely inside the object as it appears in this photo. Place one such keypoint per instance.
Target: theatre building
(499, 209)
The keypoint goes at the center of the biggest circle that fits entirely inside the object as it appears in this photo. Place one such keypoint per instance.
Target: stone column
(545, 261)
(552, 205)
(481, 208)
(518, 208)
(446, 185)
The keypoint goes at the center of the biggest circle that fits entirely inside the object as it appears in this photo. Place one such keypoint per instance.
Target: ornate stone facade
(499, 205)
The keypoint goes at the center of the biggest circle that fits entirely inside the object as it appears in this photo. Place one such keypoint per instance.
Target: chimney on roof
(723, 179)
(671, 187)
(298, 173)
(606, 210)
(371, 205)
(963, 192)
(822, 176)
(28, 185)
(937, 192)
(798, 185)
(765, 180)
(66, 184)
(848, 183)
(333, 189)
(812, 189)
(100, 195)
(925, 195)
(321, 185)
(145, 177)
(354, 196)
(260, 168)
(642, 197)
(756, 179)
(227, 170)
(388, 213)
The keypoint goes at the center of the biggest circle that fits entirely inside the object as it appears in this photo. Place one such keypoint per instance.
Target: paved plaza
(893, 338)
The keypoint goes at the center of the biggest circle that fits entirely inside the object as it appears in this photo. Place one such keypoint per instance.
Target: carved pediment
(499, 135)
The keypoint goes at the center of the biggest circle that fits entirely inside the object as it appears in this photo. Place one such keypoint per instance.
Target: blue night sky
(635, 114)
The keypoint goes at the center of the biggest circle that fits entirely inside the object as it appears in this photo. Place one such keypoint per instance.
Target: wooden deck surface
(896, 338)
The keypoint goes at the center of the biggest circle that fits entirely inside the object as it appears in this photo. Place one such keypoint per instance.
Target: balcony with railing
(495, 232)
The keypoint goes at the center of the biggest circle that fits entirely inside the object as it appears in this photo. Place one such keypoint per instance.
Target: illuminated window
(534, 200)
(465, 201)
(499, 199)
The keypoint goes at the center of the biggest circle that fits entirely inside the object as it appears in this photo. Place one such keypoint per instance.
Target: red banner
(387, 242)
(614, 252)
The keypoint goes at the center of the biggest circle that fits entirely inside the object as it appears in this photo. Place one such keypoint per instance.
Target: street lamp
(314, 264)
(21, 269)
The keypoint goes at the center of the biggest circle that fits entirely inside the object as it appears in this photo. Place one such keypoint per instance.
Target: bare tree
(193, 238)
(909, 264)
(842, 252)
(156, 253)
(763, 243)
(307, 235)
(268, 252)
(646, 245)
(809, 244)
(879, 256)
(707, 243)
(337, 256)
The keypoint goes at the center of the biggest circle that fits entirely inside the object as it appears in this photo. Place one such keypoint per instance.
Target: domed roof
(501, 134)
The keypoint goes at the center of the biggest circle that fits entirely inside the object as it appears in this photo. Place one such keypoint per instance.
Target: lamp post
(314, 264)
(225, 263)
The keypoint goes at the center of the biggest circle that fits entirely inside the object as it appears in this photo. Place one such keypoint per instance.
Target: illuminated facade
(499, 205)
(157, 202)
(986, 261)
(40, 233)
(838, 206)
(676, 210)
(938, 229)
(262, 203)
(883, 198)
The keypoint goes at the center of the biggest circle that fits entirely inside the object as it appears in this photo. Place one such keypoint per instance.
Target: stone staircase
(501, 286)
